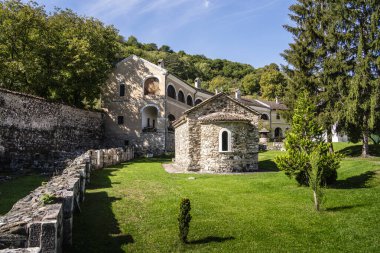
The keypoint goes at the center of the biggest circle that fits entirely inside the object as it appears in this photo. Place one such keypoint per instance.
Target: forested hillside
(66, 57)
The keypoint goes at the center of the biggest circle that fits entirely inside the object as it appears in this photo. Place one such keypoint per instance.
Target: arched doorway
(278, 133)
(149, 118)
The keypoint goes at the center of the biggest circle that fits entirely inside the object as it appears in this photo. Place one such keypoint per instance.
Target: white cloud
(206, 3)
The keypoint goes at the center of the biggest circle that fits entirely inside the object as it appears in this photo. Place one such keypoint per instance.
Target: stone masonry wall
(197, 144)
(182, 159)
(32, 226)
(33, 130)
(244, 152)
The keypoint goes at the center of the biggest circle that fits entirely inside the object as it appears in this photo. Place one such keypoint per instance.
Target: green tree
(220, 83)
(335, 57)
(166, 48)
(22, 27)
(184, 219)
(363, 97)
(304, 138)
(62, 57)
(251, 83)
(272, 83)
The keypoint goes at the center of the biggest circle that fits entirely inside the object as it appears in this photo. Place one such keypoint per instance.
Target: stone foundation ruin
(32, 226)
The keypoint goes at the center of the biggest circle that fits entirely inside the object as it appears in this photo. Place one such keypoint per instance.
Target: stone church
(218, 135)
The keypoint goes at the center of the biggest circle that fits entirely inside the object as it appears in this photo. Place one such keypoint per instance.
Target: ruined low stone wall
(33, 131)
(34, 226)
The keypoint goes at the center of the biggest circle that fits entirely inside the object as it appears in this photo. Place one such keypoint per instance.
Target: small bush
(49, 199)
(184, 219)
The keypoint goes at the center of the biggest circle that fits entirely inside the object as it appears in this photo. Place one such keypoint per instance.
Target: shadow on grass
(268, 165)
(148, 160)
(341, 208)
(209, 239)
(96, 229)
(359, 181)
(15, 189)
(356, 150)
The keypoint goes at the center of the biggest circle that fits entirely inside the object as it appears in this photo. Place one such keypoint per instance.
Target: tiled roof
(223, 116)
(220, 95)
(273, 104)
(251, 102)
(264, 103)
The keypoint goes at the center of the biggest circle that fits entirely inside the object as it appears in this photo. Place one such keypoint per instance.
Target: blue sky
(247, 31)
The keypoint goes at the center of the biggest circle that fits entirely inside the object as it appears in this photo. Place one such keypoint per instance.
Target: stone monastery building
(218, 135)
(142, 100)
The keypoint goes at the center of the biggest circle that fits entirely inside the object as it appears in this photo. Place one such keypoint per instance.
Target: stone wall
(197, 143)
(33, 131)
(243, 156)
(182, 159)
(39, 227)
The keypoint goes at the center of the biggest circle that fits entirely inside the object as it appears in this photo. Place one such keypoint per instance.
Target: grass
(15, 189)
(133, 208)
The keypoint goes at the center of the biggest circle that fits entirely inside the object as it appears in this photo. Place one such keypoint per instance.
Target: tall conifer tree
(363, 96)
(335, 56)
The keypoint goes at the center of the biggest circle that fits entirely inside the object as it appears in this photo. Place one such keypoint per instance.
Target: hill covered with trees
(66, 57)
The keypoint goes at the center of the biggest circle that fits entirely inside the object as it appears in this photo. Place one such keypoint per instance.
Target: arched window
(278, 132)
(198, 101)
(224, 140)
(151, 86)
(171, 92)
(181, 97)
(278, 116)
(264, 117)
(171, 117)
(189, 100)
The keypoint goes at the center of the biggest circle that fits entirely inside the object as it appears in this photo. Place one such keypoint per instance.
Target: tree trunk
(365, 148)
(329, 139)
(316, 200)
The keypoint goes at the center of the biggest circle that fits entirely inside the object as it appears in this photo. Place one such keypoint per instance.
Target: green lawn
(133, 208)
(15, 189)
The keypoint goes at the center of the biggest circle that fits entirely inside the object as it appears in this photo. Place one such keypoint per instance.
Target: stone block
(49, 237)
(34, 239)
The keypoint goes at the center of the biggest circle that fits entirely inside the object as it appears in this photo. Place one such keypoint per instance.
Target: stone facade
(198, 137)
(141, 99)
(33, 131)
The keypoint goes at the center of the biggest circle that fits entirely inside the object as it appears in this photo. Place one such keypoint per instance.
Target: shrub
(49, 199)
(304, 138)
(184, 219)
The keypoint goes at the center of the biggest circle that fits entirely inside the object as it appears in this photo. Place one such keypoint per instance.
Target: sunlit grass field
(133, 208)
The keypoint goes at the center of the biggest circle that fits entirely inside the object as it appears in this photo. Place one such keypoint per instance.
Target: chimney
(237, 94)
(277, 102)
(161, 63)
(197, 83)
